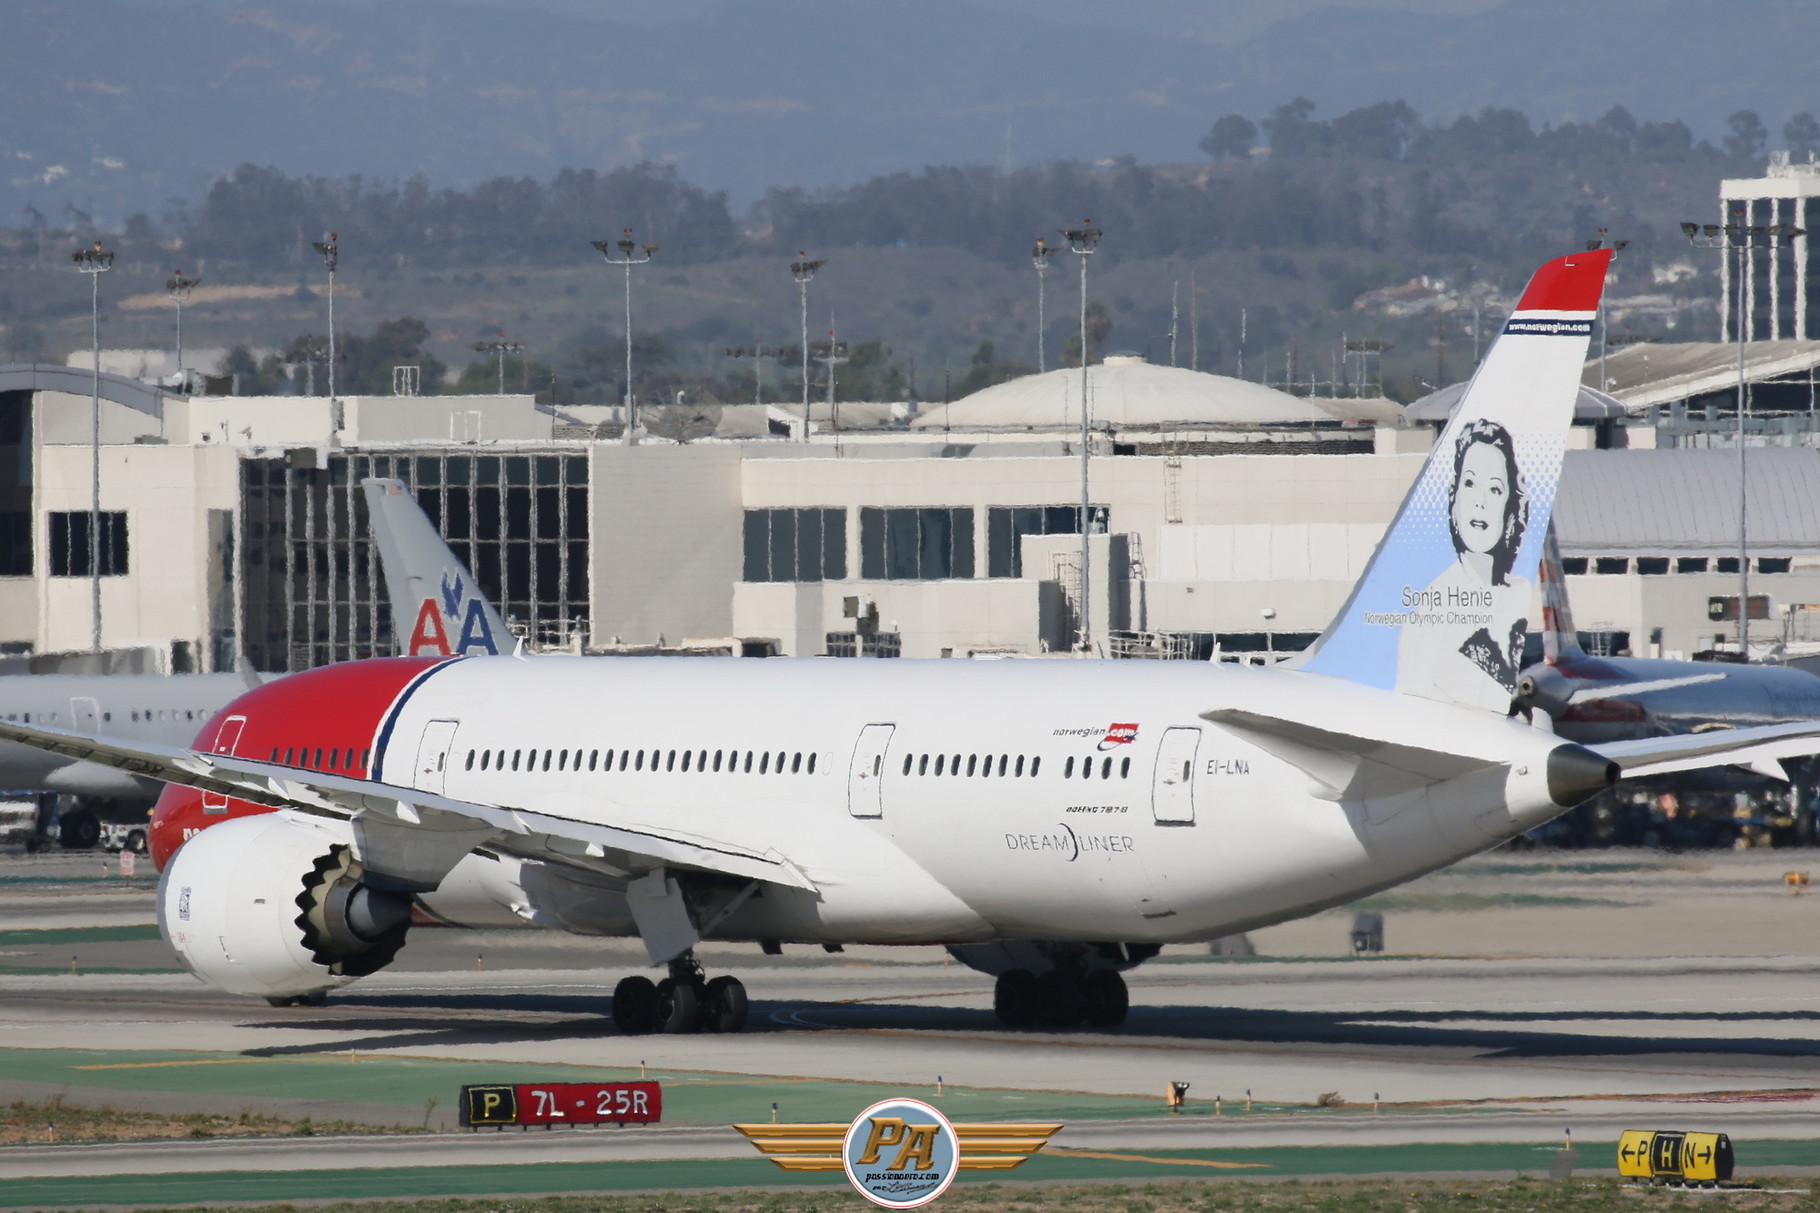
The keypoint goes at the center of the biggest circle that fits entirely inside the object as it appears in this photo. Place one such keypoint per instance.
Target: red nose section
(330, 719)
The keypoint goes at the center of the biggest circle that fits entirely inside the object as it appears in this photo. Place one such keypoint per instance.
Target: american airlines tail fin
(1442, 608)
(437, 608)
(1558, 636)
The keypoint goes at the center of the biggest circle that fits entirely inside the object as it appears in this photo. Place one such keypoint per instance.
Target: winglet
(1442, 608)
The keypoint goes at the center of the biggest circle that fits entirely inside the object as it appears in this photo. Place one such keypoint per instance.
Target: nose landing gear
(685, 1001)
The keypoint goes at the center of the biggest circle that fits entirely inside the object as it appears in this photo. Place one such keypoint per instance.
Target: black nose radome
(1575, 773)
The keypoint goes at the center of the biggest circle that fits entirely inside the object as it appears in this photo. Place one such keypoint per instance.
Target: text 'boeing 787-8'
(1053, 822)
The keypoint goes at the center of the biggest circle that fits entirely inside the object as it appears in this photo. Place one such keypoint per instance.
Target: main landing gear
(1060, 998)
(685, 1001)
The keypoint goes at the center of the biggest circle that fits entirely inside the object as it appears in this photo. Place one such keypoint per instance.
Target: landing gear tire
(1015, 998)
(314, 998)
(637, 1006)
(724, 1008)
(78, 830)
(1105, 998)
(1060, 999)
(679, 1005)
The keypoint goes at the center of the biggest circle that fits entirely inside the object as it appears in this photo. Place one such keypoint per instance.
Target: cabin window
(908, 759)
(318, 763)
(764, 762)
(881, 758)
(687, 755)
(1034, 764)
(516, 755)
(625, 756)
(701, 761)
(717, 758)
(972, 762)
(670, 761)
(1020, 766)
(1068, 769)
(922, 764)
(780, 762)
(468, 766)
(1105, 768)
(274, 748)
(1004, 764)
(365, 759)
(748, 762)
(796, 763)
(1124, 768)
(941, 762)
(547, 756)
(484, 756)
(638, 761)
(290, 754)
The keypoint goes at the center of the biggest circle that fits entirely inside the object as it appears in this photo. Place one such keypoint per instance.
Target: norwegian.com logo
(1118, 735)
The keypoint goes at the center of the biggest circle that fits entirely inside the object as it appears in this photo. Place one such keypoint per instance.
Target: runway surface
(1562, 1003)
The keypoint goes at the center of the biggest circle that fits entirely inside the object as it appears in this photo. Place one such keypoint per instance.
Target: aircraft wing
(1719, 747)
(325, 794)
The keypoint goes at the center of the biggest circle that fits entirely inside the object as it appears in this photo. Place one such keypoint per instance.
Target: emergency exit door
(866, 777)
(1172, 786)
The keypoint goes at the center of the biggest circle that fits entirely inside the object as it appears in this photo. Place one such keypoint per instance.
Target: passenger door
(85, 716)
(433, 754)
(227, 737)
(1172, 786)
(866, 777)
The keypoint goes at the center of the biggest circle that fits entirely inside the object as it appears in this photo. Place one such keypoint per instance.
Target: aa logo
(901, 1153)
(431, 636)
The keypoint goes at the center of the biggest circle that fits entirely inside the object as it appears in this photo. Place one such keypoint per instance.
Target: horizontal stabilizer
(1720, 747)
(1346, 766)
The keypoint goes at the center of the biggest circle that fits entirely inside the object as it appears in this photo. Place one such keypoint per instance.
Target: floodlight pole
(94, 262)
(331, 257)
(501, 347)
(1084, 240)
(803, 270)
(1039, 257)
(1739, 238)
(835, 355)
(180, 288)
(628, 256)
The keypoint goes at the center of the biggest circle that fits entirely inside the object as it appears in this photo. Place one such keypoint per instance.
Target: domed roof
(1124, 391)
(1590, 405)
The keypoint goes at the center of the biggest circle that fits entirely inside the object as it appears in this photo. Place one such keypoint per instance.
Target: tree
(1231, 138)
(481, 376)
(365, 363)
(1099, 327)
(985, 369)
(1376, 132)
(1748, 135)
(1290, 131)
(1802, 134)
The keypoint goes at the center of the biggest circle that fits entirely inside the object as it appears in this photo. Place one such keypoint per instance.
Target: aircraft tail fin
(1441, 610)
(437, 606)
(1559, 639)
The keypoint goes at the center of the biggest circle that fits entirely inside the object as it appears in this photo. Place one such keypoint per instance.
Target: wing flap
(1720, 747)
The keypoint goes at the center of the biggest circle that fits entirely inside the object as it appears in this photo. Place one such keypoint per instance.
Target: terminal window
(1007, 525)
(916, 544)
(70, 544)
(796, 545)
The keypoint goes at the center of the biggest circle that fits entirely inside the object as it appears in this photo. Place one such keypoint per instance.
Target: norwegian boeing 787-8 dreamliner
(1053, 822)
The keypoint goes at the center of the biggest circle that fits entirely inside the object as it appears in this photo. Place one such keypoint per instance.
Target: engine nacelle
(1543, 688)
(277, 906)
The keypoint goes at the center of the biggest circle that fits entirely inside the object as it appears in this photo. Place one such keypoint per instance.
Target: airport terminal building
(1225, 519)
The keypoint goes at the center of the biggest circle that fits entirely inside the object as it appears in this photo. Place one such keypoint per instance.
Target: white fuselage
(916, 824)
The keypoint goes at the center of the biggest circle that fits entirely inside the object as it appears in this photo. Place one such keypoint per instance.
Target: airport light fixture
(803, 270)
(1739, 239)
(94, 262)
(1605, 241)
(331, 257)
(1039, 257)
(631, 253)
(501, 347)
(832, 353)
(1085, 241)
(180, 288)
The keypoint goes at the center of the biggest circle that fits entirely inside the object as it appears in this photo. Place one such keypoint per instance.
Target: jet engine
(1544, 689)
(277, 906)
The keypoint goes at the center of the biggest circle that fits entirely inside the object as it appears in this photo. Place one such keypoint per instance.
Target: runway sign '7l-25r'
(562, 1103)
